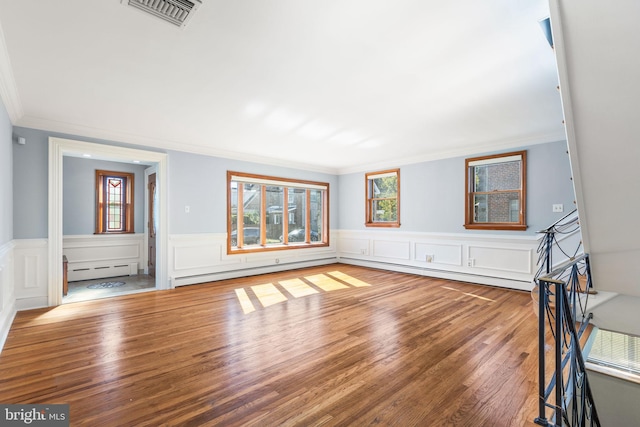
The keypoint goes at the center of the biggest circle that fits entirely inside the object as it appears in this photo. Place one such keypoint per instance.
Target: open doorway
(105, 229)
(99, 263)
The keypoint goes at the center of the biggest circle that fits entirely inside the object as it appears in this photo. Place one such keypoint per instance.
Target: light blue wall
(6, 178)
(79, 204)
(31, 177)
(194, 180)
(200, 182)
(432, 193)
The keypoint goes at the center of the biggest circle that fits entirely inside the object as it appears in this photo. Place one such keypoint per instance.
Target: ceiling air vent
(177, 12)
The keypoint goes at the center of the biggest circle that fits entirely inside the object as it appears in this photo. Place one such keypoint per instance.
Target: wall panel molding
(448, 253)
(394, 249)
(499, 260)
(31, 273)
(198, 258)
(350, 246)
(7, 294)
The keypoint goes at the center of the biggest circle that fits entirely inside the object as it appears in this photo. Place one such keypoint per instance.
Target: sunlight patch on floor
(468, 294)
(245, 302)
(297, 288)
(326, 283)
(268, 294)
(350, 280)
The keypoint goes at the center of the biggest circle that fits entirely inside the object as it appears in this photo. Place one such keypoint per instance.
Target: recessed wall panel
(392, 249)
(354, 246)
(502, 259)
(439, 253)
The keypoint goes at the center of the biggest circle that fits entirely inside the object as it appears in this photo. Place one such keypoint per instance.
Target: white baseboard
(234, 274)
(7, 315)
(462, 277)
(29, 303)
(7, 292)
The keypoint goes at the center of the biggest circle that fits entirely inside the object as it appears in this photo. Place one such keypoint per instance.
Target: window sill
(270, 248)
(613, 372)
(382, 224)
(510, 227)
(114, 232)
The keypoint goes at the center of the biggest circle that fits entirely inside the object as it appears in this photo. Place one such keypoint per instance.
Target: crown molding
(469, 150)
(74, 131)
(79, 131)
(8, 87)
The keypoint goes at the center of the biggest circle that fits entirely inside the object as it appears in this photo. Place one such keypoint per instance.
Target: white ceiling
(334, 85)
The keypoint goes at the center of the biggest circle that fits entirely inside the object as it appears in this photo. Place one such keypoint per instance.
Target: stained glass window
(114, 202)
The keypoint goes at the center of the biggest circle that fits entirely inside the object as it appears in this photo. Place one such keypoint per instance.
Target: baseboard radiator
(83, 271)
(103, 256)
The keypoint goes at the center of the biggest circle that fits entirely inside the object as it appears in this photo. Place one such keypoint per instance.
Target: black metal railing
(565, 397)
(552, 242)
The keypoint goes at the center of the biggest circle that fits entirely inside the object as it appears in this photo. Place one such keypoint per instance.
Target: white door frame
(147, 172)
(60, 147)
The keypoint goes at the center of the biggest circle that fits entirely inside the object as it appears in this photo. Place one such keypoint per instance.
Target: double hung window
(382, 191)
(496, 192)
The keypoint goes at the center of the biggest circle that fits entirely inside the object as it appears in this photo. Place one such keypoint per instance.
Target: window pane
(383, 198)
(251, 207)
(297, 214)
(495, 192)
(480, 210)
(234, 213)
(114, 204)
(496, 177)
(514, 211)
(316, 215)
(498, 207)
(385, 210)
(385, 187)
(275, 203)
(616, 350)
(257, 209)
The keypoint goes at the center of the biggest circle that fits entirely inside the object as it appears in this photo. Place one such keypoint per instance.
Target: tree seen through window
(383, 199)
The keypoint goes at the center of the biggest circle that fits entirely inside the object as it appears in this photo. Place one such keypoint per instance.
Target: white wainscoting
(199, 258)
(7, 294)
(499, 260)
(496, 260)
(100, 256)
(31, 273)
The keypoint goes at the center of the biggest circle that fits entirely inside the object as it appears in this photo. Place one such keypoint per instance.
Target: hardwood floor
(385, 349)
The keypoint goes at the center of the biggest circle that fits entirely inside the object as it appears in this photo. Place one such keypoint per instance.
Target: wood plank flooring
(339, 346)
